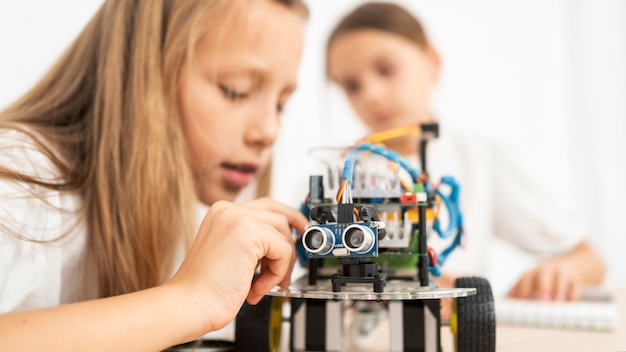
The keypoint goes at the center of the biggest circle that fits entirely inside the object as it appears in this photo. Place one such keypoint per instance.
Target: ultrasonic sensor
(318, 240)
(359, 239)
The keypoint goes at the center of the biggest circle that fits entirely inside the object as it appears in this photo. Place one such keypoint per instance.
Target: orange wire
(342, 188)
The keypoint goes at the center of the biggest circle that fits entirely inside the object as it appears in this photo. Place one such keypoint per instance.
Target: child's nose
(263, 127)
(373, 91)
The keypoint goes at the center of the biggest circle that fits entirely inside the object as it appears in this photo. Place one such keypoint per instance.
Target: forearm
(205, 293)
(141, 321)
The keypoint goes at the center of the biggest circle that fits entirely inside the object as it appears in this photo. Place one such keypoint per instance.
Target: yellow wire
(405, 185)
(379, 137)
(394, 168)
(437, 206)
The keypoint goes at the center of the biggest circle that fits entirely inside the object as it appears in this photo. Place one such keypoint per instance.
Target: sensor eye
(315, 239)
(318, 240)
(357, 238)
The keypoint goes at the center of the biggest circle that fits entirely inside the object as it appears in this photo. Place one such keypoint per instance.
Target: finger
(544, 283)
(523, 288)
(562, 285)
(575, 290)
(287, 279)
(294, 216)
(446, 281)
(219, 205)
(260, 286)
(275, 271)
(276, 247)
(446, 308)
(279, 222)
(276, 220)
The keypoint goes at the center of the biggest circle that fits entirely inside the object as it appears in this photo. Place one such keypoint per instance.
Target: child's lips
(383, 117)
(239, 175)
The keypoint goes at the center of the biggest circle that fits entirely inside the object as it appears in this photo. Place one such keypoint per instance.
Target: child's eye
(351, 87)
(231, 94)
(385, 70)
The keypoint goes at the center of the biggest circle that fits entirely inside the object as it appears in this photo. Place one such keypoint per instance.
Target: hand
(446, 281)
(232, 241)
(555, 279)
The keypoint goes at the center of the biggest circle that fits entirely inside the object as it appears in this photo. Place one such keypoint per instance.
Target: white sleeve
(30, 271)
(534, 206)
(30, 267)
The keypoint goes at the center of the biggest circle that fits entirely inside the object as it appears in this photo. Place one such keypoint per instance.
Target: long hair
(107, 116)
(382, 16)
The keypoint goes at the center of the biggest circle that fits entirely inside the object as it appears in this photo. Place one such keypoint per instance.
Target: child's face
(231, 93)
(387, 78)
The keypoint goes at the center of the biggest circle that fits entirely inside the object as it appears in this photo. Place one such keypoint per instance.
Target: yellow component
(275, 323)
(454, 321)
(413, 215)
(389, 216)
(430, 215)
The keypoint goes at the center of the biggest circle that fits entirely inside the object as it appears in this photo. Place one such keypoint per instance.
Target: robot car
(369, 246)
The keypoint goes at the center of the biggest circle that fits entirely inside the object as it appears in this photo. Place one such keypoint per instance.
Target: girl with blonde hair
(155, 106)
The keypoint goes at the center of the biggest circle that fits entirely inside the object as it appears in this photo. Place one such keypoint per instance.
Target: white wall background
(553, 72)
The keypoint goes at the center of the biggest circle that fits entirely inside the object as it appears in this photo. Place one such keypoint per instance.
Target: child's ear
(435, 60)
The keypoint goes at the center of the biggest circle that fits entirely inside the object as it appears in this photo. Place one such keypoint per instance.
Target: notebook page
(600, 315)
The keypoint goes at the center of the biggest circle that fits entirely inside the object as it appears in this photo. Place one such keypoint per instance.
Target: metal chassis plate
(394, 290)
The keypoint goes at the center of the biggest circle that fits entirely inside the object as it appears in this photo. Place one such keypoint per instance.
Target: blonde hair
(107, 117)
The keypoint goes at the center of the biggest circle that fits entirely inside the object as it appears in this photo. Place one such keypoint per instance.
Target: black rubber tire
(476, 317)
(258, 327)
(203, 345)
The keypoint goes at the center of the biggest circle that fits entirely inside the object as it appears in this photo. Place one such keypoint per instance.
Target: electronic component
(383, 213)
(342, 240)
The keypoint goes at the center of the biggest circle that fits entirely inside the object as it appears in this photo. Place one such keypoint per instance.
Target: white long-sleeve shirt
(516, 210)
(42, 239)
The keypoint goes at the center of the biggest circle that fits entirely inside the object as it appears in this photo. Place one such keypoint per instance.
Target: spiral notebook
(592, 312)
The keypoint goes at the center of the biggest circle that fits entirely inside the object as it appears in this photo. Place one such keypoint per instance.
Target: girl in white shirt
(156, 105)
(381, 58)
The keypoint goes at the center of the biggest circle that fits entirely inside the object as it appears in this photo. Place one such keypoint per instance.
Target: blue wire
(435, 270)
(441, 258)
(348, 167)
(451, 201)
